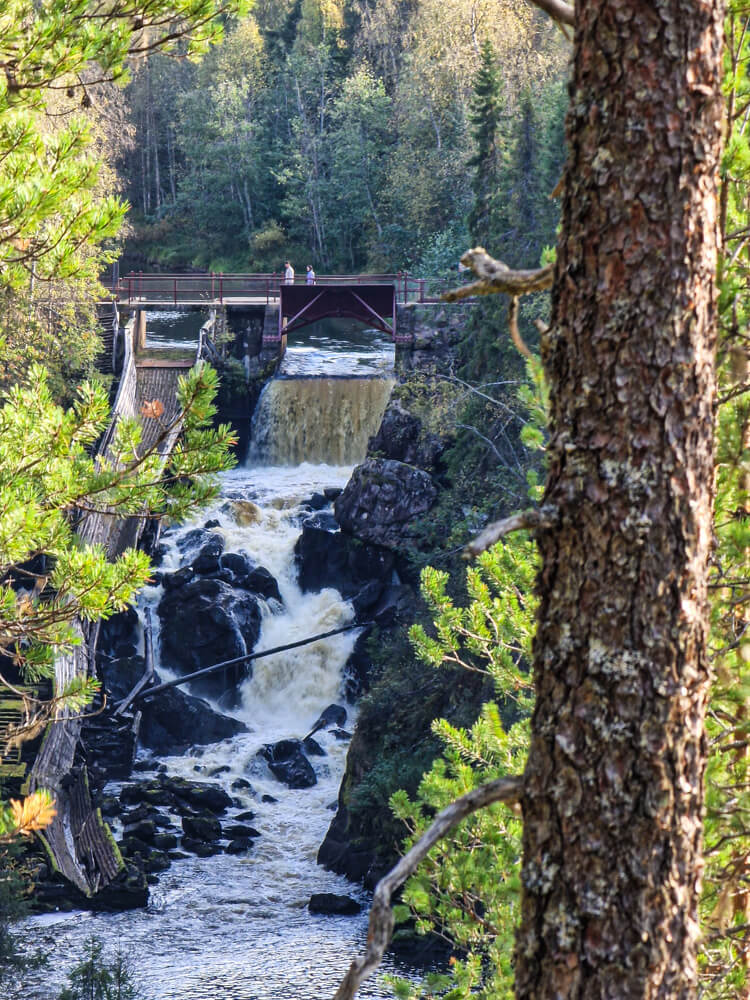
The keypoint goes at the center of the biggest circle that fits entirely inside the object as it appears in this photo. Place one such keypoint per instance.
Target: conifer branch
(381, 915)
(495, 276)
(525, 520)
(558, 10)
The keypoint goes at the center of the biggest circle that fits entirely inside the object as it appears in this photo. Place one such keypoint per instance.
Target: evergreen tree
(486, 116)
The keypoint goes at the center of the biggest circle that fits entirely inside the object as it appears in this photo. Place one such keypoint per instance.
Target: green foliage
(48, 479)
(50, 211)
(335, 133)
(100, 978)
(467, 890)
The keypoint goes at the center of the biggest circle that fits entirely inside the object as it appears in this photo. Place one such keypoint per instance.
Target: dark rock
(118, 634)
(331, 492)
(205, 828)
(330, 903)
(248, 814)
(144, 830)
(268, 798)
(334, 715)
(157, 861)
(199, 795)
(200, 847)
(313, 748)
(193, 540)
(318, 501)
(178, 855)
(133, 845)
(207, 559)
(341, 734)
(240, 830)
(242, 784)
(402, 438)
(382, 499)
(109, 806)
(165, 841)
(322, 519)
(212, 523)
(204, 623)
(146, 764)
(287, 763)
(238, 846)
(396, 605)
(367, 597)
(238, 563)
(150, 792)
(327, 559)
(127, 891)
(261, 582)
(358, 668)
(180, 578)
(224, 769)
(141, 812)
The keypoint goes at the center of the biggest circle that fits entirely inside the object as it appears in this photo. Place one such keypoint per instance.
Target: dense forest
(347, 134)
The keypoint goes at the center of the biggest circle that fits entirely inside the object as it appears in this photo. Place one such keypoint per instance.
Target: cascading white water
(237, 927)
(317, 419)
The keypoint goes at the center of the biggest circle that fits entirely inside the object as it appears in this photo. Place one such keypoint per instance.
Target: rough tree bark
(613, 786)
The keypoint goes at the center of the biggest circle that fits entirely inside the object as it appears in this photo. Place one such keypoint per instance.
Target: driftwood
(381, 915)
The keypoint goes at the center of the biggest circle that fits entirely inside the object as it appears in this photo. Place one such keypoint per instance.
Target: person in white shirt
(288, 273)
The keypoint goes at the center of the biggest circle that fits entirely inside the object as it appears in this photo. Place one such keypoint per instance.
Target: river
(237, 927)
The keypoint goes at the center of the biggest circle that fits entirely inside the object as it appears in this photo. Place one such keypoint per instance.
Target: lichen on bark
(613, 786)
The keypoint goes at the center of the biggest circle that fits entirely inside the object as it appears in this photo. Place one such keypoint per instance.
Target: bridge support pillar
(274, 342)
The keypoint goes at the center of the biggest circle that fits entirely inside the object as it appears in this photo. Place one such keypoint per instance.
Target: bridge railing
(176, 289)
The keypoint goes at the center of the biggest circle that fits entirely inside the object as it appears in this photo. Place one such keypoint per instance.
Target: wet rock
(200, 847)
(358, 668)
(334, 715)
(207, 559)
(313, 748)
(205, 828)
(261, 582)
(333, 904)
(141, 812)
(119, 634)
(287, 762)
(317, 501)
(367, 598)
(402, 437)
(127, 891)
(327, 559)
(245, 512)
(145, 764)
(238, 846)
(150, 792)
(133, 845)
(204, 623)
(268, 798)
(247, 815)
(242, 784)
(156, 861)
(165, 841)
(331, 492)
(382, 499)
(192, 540)
(240, 830)
(224, 769)
(322, 519)
(341, 734)
(143, 830)
(212, 523)
(109, 806)
(180, 578)
(238, 563)
(174, 721)
(200, 796)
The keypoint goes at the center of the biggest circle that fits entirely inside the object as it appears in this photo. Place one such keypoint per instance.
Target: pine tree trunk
(612, 841)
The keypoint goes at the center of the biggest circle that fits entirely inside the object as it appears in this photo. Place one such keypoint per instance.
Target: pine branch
(381, 916)
(526, 520)
(495, 277)
(558, 10)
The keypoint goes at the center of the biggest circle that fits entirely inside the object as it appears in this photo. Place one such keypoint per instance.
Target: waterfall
(317, 420)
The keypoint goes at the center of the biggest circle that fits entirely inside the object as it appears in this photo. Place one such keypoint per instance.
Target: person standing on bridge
(310, 276)
(288, 273)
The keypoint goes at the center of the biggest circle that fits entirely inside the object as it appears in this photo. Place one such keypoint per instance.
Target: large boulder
(332, 904)
(382, 499)
(206, 622)
(332, 559)
(172, 721)
(402, 438)
(288, 763)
